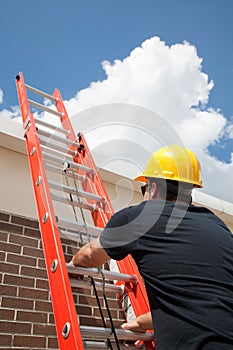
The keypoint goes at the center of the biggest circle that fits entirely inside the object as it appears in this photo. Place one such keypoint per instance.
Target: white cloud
(161, 80)
(1, 96)
(229, 131)
(13, 113)
(165, 79)
(169, 81)
(203, 128)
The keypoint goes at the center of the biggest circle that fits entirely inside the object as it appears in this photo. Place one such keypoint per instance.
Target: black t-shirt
(185, 256)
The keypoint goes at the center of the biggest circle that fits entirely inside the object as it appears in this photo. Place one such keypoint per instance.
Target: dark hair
(172, 190)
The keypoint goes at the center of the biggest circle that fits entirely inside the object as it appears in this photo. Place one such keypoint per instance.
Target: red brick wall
(26, 317)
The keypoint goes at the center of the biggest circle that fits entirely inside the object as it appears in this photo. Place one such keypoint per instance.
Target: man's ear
(153, 190)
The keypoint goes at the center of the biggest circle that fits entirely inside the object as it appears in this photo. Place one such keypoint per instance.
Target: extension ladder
(56, 149)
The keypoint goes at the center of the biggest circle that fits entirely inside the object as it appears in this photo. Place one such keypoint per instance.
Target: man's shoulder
(130, 210)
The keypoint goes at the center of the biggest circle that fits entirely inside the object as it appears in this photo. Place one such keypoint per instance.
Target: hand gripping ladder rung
(81, 167)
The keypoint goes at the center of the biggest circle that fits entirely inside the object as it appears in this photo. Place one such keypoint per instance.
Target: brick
(15, 327)
(9, 247)
(5, 226)
(41, 263)
(71, 250)
(117, 323)
(8, 290)
(42, 284)
(38, 317)
(33, 252)
(24, 221)
(7, 314)
(9, 268)
(2, 256)
(43, 306)
(52, 343)
(24, 241)
(96, 312)
(18, 281)
(3, 236)
(68, 258)
(29, 341)
(51, 319)
(5, 340)
(121, 315)
(21, 260)
(23, 348)
(88, 300)
(40, 244)
(4, 217)
(35, 233)
(114, 304)
(90, 321)
(16, 303)
(69, 242)
(33, 272)
(81, 291)
(33, 294)
(83, 310)
(44, 329)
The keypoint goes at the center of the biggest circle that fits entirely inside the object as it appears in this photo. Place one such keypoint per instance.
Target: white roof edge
(11, 137)
(212, 202)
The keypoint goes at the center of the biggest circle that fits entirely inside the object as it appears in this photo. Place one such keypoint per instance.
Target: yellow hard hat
(173, 162)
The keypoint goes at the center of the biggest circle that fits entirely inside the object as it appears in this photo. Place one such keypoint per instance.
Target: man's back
(188, 272)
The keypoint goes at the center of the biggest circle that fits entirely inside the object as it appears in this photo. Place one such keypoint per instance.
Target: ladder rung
(99, 286)
(122, 334)
(52, 146)
(76, 236)
(60, 171)
(51, 126)
(91, 207)
(58, 138)
(78, 226)
(44, 108)
(74, 165)
(41, 93)
(78, 192)
(93, 272)
(93, 345)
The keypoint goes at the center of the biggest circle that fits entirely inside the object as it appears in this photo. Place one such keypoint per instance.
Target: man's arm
(90, 255)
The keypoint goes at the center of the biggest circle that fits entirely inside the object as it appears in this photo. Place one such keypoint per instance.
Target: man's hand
(140, 324)
(90, 255)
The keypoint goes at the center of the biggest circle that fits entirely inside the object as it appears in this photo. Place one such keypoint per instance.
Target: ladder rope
(71, 198)
(108, 311)
(109, 344)
(80, 203)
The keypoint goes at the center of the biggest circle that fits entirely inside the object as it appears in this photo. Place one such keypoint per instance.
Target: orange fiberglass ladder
(58, 150)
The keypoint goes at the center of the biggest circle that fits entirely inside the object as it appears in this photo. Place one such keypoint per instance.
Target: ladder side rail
(138, 297)
(84, 157)
(68, 330)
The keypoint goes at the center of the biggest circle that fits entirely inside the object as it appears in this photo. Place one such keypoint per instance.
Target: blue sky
(58, 43)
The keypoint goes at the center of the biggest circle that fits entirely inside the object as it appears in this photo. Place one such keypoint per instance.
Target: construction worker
(183, 252)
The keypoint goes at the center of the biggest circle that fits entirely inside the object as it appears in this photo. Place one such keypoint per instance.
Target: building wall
(25, 309)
